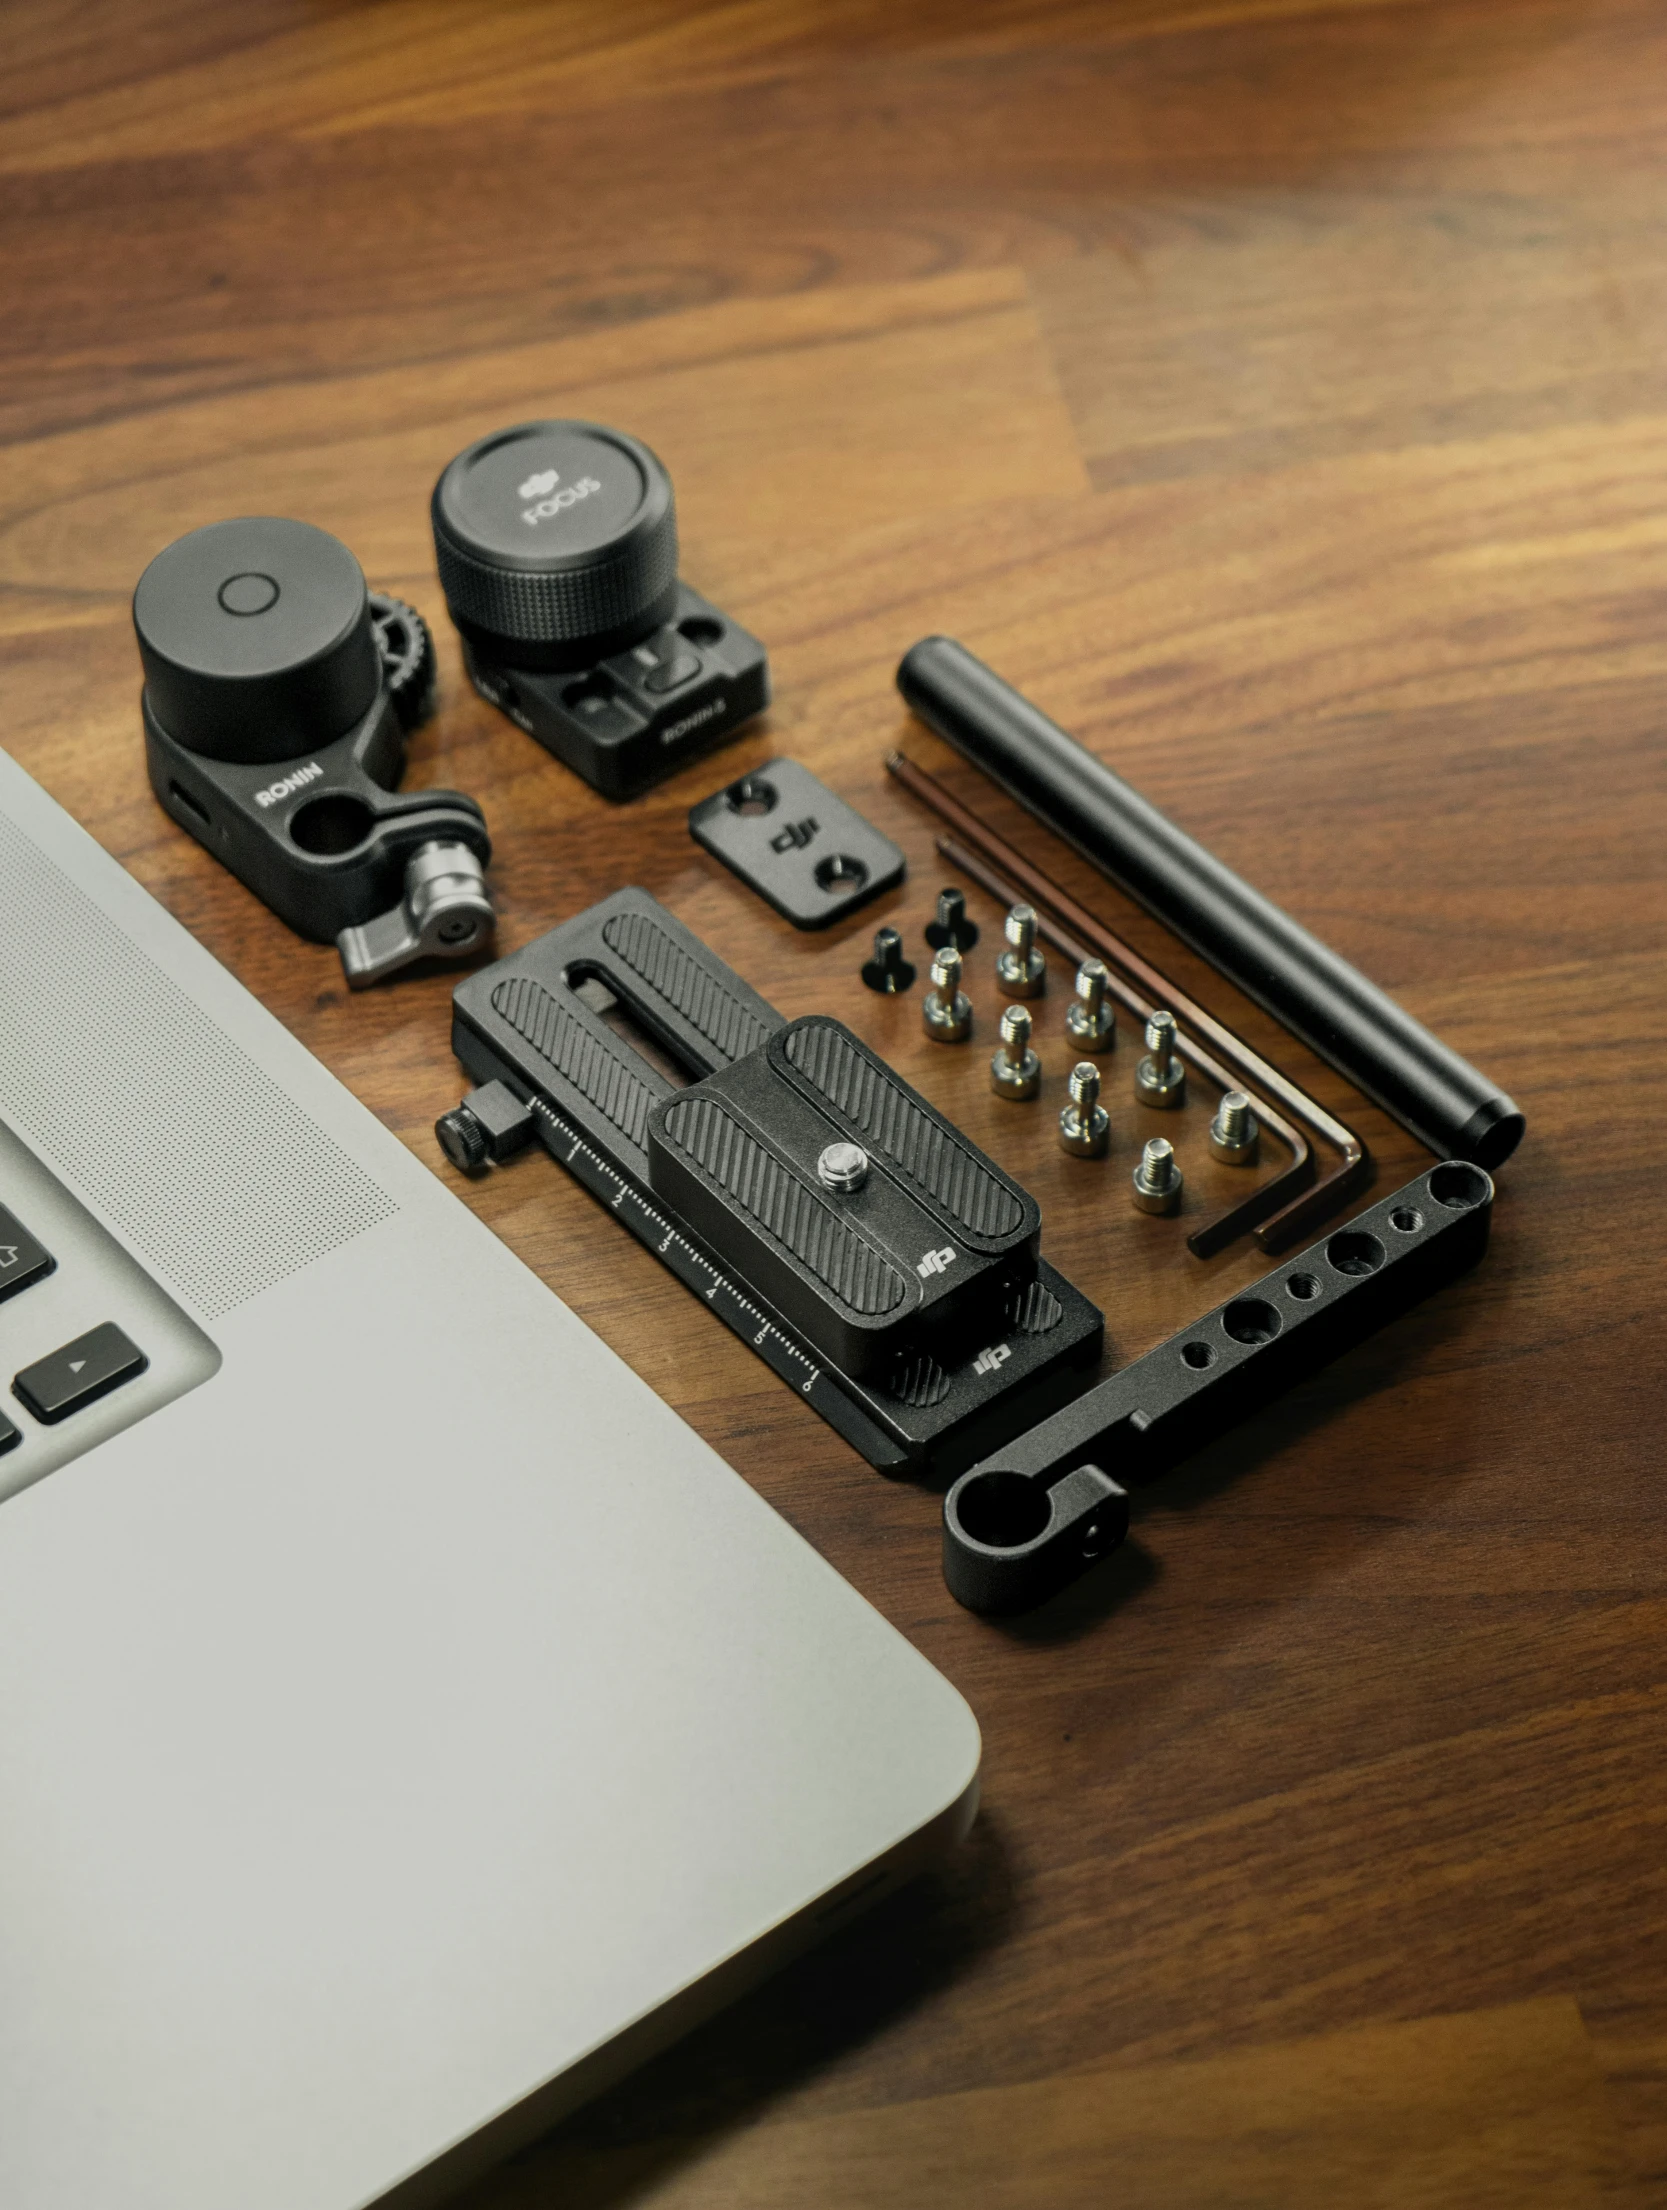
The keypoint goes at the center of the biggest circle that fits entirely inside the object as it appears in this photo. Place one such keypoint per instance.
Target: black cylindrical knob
(556, 543)
(1445, 1102)
(257, 639)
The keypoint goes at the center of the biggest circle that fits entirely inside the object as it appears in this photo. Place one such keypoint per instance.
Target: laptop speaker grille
(191, 1151)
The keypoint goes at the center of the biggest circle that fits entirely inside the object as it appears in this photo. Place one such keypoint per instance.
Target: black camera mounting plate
(902, 1296)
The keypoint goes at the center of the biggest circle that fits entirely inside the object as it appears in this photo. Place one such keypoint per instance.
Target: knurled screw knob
(1020, 968)
(1015, 1071)
(949, 925)
(1161, 1077)
(888, 971)
(462, 1139)
(843, 1166)
(1091, 1018)
(1234, 1130)
(946, 1010)
(1157, 1179)
(1084, 1129)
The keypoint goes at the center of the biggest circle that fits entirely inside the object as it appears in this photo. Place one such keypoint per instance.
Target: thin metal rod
(1315, 1204)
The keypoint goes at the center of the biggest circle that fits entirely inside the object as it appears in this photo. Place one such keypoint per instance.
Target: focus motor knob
(556, 543)
(257, 640)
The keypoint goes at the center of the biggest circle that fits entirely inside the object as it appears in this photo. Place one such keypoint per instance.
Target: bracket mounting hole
(1355, 1252)
(1459, 1187)
(331, 824)
(1003, 1511)
(1251, 1320)
(752, 795)
(840, 872)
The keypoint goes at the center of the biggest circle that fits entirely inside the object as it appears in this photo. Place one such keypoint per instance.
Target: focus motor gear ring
(408, 664)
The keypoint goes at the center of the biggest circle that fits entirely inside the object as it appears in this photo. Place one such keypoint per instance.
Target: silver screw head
(1234, 1130)
(946, 1010)
(1161, 1077)
(1020, 968)
(1084, 1127)
(843, 1166)
(1015, 1071)
(1091, 1018)
(1157, 1179)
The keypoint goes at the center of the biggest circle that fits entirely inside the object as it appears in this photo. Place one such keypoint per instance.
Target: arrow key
(88, 1368)
(22, 1259)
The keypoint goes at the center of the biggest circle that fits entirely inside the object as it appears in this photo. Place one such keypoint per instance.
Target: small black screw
(462, 1139)
(888, 971)
(950, 924)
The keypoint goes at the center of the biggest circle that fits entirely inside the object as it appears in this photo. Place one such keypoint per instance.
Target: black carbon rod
(1362, 1032)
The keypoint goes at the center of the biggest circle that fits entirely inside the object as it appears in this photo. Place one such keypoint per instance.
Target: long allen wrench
(1005, 872)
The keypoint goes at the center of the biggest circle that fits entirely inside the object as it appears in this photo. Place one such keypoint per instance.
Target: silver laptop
(406, 1722)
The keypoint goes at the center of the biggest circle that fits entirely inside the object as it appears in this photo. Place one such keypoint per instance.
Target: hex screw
(1015, 1071)
(888, 971)
(949, 925)
(946, 1009)
(1084, 1129)
(1157, 1179)
(1161, 1077)
(1091, 1018)
(1020, 968)
(1234, 1130)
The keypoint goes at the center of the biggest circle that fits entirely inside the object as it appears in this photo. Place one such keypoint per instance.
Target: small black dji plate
(278, 696)
(804, 850)
(557, 549)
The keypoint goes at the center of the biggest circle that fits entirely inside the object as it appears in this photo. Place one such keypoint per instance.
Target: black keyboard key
(10, 1436)
(22, 1259)
(90, 1367)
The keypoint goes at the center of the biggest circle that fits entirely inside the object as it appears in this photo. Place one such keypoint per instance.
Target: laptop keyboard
(91, 1341)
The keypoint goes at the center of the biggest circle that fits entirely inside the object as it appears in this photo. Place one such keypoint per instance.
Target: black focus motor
(557, 549)
(279, 692)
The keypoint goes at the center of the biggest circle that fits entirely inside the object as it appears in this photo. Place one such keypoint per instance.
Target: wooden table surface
(1278, 393)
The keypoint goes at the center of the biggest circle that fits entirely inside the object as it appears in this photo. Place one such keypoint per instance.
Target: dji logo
(936, 1262)
(795, 836)
(541, 488)
(987, 1361)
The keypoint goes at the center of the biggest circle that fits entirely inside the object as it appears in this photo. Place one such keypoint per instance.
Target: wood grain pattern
(1436, 2110)
(1275, 390)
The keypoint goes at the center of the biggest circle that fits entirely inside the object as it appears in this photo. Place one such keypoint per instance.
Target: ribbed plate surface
(686, 986)
(193, 1153)
(580, 1057)
(795, 1216)
(881, 1112)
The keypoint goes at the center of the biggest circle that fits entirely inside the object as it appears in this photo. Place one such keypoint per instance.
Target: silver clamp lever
(446, 911)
